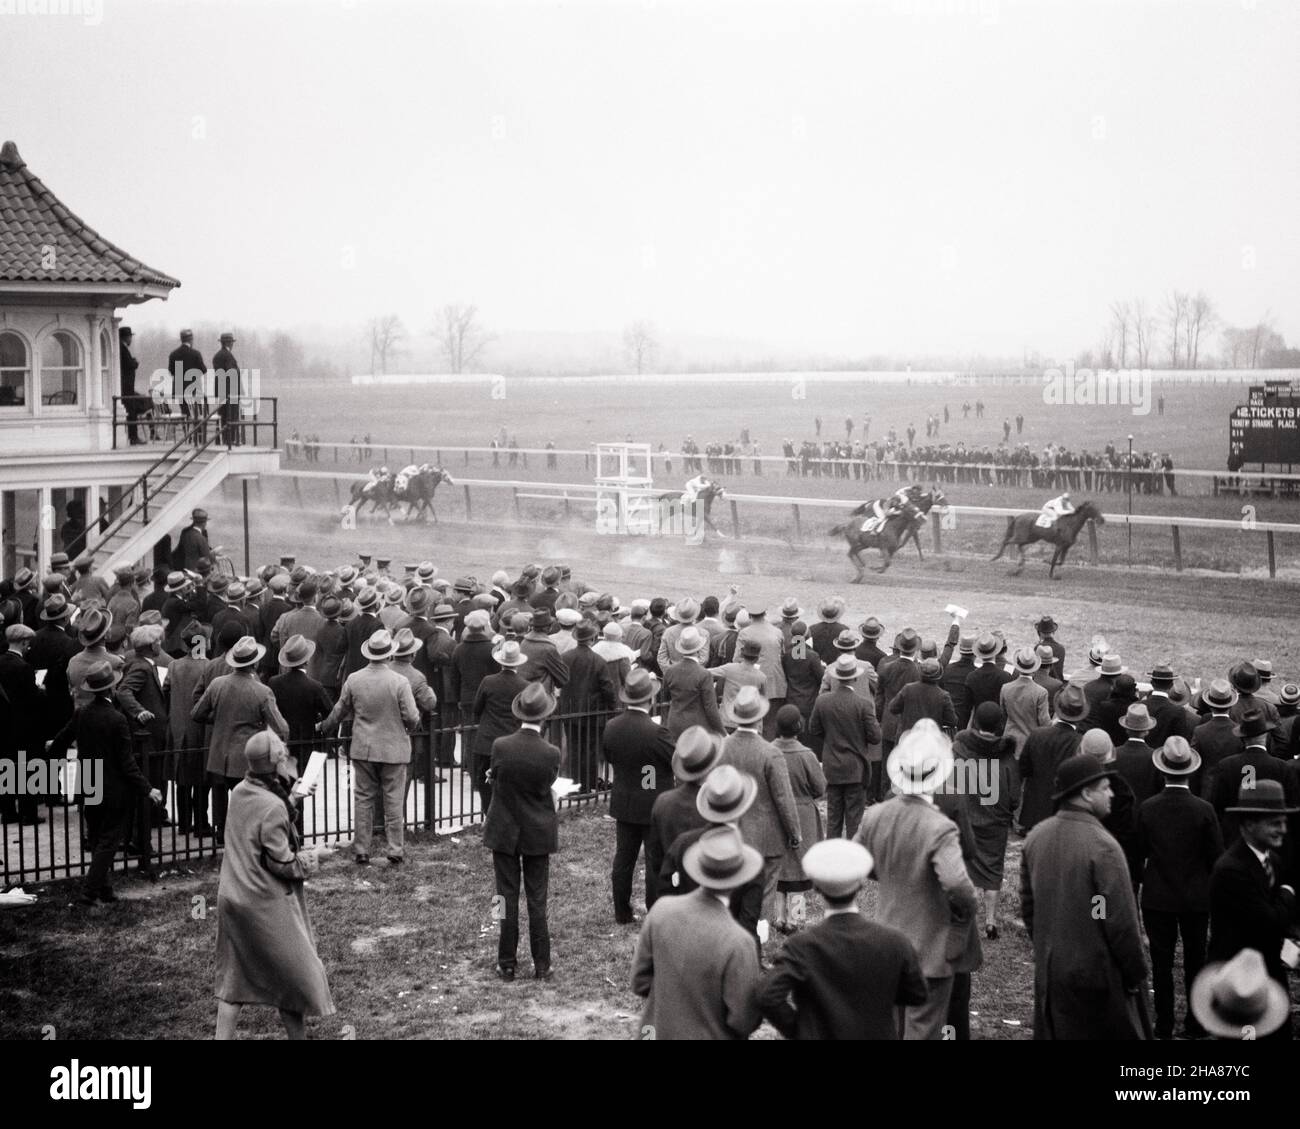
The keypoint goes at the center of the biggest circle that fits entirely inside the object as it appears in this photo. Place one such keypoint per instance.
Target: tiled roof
(32, 220)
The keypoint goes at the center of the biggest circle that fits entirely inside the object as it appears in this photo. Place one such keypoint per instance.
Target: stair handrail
(143, 480)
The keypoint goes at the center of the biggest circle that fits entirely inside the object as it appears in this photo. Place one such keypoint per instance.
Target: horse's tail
(838, 530)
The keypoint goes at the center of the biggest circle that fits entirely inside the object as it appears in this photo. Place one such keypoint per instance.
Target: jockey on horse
(882, 509)
(1054, 510)
(374, 478)
(694, 487)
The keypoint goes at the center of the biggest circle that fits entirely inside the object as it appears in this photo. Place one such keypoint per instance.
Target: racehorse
(1023, 529)
(704, 497)
(377, 491)
(893, 535)
(417, 491)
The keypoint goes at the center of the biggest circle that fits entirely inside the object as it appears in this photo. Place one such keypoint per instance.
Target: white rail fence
(583, 496)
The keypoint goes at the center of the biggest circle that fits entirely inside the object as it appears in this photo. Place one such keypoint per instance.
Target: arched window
(61, 368)
(15, 371)
(105, 359)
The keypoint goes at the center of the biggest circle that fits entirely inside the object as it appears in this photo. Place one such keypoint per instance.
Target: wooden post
(338, 492)
(515, 491)
(467, 457)
(735, 520)
(1092, 543)
(1272, 557)
(798, 529)
(566, 505)
(297, 492)
(468, 514)
(1178, 549)
(411, 452)
(385, 456)
(934, 529)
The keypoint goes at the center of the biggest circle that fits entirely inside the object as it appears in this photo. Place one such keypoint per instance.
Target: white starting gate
(625, 500)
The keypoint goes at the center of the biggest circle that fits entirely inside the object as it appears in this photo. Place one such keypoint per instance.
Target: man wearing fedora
(743, 671)
(189, 374)
(1024, 702)
(771, 642)
(382, 709)
(1078, 907)
(847, 977)
(1246, 681)
(331, 652)
(408, 648)
(1178, 843)
(827, 629)
(667, 655)
(1102, 687)
(435, 660)
(26, 701)
(697, 968)
(724, 798)
(772, 824)
(1252, 901)
(522, 830)
(472, 660)
(102, 735)
(1133, 761)
(640, 752)
(237, 706)
(868, 648)
(1044, 750)
(193, 543)
(589, 695)
(493, 712)
(689, 688)
(51, 650)
(362, 625)
(925, 698)
(1215, 737)
(227, 378)
(925, 891)
(1237, 999)
(1045, 678)
(953, 680)
(301, 700)
(142, 697)
(985, 682)
(676, 811)
(1253, 763)
(844, 722)
(1171, 719)
(1047, 627)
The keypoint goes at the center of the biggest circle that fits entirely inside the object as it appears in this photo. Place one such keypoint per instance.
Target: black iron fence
(445, 793)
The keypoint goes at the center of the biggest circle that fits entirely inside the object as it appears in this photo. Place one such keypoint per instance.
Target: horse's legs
(855, 557)
(1020, 548)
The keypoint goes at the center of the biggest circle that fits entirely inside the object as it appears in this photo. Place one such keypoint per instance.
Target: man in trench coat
(1079, 909)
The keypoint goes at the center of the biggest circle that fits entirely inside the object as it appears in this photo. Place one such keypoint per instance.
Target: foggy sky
(939, 175)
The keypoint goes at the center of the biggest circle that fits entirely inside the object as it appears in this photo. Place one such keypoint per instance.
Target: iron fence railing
(444, 795)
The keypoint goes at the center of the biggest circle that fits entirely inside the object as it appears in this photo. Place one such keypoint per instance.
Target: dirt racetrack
(1200, 624)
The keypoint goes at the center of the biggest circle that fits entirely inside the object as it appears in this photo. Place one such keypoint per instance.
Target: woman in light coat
(266, 947)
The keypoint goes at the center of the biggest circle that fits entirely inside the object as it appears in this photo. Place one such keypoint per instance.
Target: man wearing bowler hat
(1252, 899)
(1171, 719)
(522, 830)
(695, 965)
(1079, 910)
(1178, 843)
(846, 977)
(1133, 757)
(381, 706)
(1246, 681)
(640, 752)
(925, 890)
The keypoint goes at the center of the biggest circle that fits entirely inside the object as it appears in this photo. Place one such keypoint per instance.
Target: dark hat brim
(1078, 785)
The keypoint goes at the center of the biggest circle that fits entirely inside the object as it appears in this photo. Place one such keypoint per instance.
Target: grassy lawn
(409, 953)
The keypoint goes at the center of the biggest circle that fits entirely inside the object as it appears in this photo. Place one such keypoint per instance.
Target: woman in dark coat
(987, 760)
(266, 947)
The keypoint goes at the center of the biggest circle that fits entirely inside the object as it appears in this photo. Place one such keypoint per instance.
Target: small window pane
(60, 370)
(14, 371)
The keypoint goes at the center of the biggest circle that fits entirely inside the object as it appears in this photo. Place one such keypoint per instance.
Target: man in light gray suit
(382, 708)
(772, 824)
(925, 892)
(697, 968)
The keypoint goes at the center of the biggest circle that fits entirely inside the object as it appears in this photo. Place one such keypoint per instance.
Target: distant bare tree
(1144, 332)
(1261, 338)
(1201, 318)
(1175, 314)
(640, 344)
(460, 336)
(1122, 324)
(385, 333)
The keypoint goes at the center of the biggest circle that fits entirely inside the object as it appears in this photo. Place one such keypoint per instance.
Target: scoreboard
(1266, 429)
